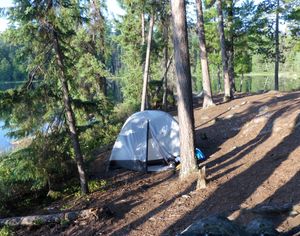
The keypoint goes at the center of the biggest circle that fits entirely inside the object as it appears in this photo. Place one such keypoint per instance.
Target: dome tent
(148, 141)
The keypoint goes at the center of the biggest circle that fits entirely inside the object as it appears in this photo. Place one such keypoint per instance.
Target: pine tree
(49, 33)
(147, 63)
(227, 85)
(207, 100)
(184, 88)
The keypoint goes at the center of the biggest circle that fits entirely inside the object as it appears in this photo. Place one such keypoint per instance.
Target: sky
(3, 22)
(112, 5)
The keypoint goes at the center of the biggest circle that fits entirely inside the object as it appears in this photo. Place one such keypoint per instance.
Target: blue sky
(112, 5)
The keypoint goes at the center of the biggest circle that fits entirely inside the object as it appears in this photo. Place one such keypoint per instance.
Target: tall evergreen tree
(147, 63)
(230, 48)
(227, 85)
(277, 53)
(184, 88)
(207, 100)
(48, 32)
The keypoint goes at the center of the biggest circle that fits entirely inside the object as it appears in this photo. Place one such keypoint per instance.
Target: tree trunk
(231, 47)
(143, 29)
(227, 89)
(241, 83)
(165, 79)
(184, 89)
(147, 63)
(277, 53)
(70, 115)
(219, 78)
(207, 100)
(103, 86)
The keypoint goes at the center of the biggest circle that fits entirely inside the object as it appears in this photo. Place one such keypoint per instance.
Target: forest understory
(253, 148)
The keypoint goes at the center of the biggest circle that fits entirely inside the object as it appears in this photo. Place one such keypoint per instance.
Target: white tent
(148, 141)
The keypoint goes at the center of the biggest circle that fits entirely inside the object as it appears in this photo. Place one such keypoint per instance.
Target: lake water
(259, 83)
(10, 85)
(5, 144)
(249, 84)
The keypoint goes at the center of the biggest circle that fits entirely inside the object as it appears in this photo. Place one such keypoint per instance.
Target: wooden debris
(201, 183)
(52, 218)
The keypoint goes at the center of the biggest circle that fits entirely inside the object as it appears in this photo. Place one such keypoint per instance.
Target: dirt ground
(253, 149)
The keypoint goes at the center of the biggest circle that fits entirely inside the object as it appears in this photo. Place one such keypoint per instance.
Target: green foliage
(36, 111)
(38, 222)
(64, 222)
(55, 195)
(11, 68)
(6, 231)
(97, 185)
(129, 38)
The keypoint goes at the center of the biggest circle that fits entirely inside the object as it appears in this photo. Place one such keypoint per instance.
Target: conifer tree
(184, 88)
(227, 85)
(207, 100)
(46, 31)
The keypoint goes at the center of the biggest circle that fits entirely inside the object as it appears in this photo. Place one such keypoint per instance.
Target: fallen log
(51, 218)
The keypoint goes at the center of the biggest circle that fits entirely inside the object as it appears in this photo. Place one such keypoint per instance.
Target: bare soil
(253, 149)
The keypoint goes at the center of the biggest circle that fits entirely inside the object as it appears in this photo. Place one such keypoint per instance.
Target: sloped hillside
(253, 150)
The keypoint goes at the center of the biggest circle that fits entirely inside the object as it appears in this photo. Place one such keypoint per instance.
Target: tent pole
(147, 146)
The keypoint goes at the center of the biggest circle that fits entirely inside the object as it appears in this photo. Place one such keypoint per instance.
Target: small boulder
(229, 116)
(261, 227)
(213, 225)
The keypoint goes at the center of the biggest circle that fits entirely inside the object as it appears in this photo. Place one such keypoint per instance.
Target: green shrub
(5, 231)
(97, 185)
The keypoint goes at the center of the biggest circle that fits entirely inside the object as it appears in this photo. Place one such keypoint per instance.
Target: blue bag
(199, 155)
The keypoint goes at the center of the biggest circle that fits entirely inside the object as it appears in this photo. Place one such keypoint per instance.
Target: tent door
(154, 155)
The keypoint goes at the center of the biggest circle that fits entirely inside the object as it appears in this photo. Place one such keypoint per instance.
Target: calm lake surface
(260, 83)
(254, 83)
(5, 144)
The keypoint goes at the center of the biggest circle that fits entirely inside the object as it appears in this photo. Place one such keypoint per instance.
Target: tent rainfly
(148, 141)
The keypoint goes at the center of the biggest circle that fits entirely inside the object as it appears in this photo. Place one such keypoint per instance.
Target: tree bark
(103, 86)
(207, 100)
(219, 78)
(231, 47)
(143, 29)
(147, 63)
(70, 115)
(227, 89)
(277, 53)
(165, 79)
(184, 89)
(241, 83)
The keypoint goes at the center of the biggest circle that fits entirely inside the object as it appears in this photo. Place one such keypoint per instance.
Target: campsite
(134, 117)
(254, 162)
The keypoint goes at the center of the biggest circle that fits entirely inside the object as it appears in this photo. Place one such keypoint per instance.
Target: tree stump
(201, 182)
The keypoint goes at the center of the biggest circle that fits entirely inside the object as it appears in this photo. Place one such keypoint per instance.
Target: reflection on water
(10, 85)
(260, 83)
